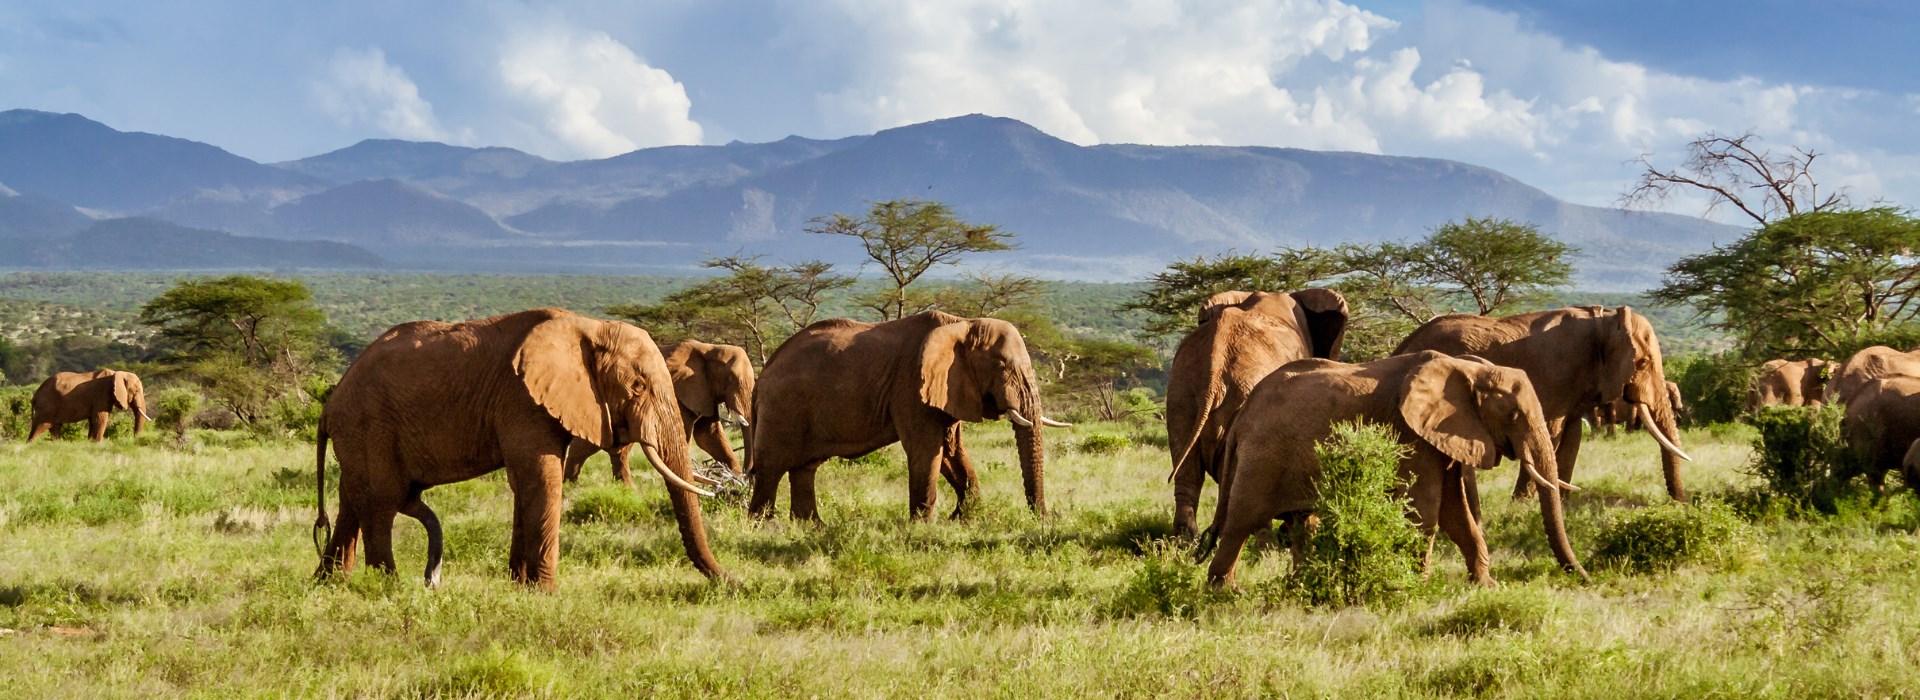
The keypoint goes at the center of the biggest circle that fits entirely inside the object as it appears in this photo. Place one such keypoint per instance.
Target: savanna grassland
(142, 567)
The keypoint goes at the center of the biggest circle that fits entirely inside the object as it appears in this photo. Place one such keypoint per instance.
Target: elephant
(67, 397)
(1458, 415)
(844, 388)
(1578, 358)
(1240, 338)
(1881, 425)
(430, 403)
(1784, 383)
(709, 380)
(1867, 365)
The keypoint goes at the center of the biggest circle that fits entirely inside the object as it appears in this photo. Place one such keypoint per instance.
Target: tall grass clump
(1801, 456)
(1662, 537)
(1364, 550)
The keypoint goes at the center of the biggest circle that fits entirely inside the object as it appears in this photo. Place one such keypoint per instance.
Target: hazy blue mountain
(82, 162)
(32, 217)
(385, 213)
(435, 165)
(149, 244)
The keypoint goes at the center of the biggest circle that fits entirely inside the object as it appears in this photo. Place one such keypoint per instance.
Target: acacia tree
(1819, 284)
(1740, 172)
(1495, 263)
(1174, 295)
(250, 341)
(754, 306)
(908, 237)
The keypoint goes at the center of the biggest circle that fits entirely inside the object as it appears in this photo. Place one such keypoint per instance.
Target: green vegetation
(1801, 456)
(1663, 537)
(141, 567)
(1364, 549)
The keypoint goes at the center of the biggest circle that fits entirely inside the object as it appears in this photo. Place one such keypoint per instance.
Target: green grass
(143, 569)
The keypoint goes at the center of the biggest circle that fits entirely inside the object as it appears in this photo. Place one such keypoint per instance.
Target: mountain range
(1087, 212)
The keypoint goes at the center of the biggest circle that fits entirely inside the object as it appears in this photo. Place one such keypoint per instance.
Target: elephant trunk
(1659, 420)
(1539, 455)
(139, 406)
(676, 465)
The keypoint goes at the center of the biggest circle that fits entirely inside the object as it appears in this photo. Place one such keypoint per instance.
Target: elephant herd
(1252, 388)
(1880, 388)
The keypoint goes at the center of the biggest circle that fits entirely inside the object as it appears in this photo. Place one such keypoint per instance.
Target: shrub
(174, 408)
(16, 412)
(1097, 444)
(1662, 537)
(1801, 456)
(1714, 386)
(1365, 550)
(1165, 583)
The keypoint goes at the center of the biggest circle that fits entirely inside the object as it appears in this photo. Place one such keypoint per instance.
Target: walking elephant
(1578, 358)
(1881, 425)
(1241, 337)
(1868, 365)
(67, 397)
(1784, 383)
(708, 380)
(1458, 415)
(432, 403)
(842, 388)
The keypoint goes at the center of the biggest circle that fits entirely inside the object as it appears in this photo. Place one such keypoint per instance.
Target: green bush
(1662, 537)
(16, 412)
(1365, 550)
(174, 408)
(1714, 386)
(1166, 583)
(1098, 444)
(1801, 456)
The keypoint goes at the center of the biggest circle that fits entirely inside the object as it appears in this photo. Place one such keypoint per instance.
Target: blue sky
(1563, 95)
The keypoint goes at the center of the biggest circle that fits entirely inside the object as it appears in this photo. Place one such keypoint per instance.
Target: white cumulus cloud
(592, 96)
(359, 87)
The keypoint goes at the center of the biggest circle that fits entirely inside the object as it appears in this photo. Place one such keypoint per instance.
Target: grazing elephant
(709, 380)
(1868, 365)
(1241, 337)
(842, 388)
(1783, 383)
(1620, 412)
(432, 403)
(1881, 426)
(1458, 416)
(1578, 358)
(67, 397)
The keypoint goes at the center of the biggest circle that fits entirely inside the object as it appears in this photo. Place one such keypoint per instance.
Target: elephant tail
(1185, 454)
(322, 530)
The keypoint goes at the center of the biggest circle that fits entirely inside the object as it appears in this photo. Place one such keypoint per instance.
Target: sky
(1562, 94)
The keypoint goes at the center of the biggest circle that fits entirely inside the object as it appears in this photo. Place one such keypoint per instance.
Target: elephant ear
(554, 362)
(1439, 403)
(1322, 313)
(1219, 303)
(123, 389)
(945, 383)
(692, 379)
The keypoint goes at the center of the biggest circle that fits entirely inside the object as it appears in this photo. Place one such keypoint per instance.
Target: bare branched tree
(1741, 172)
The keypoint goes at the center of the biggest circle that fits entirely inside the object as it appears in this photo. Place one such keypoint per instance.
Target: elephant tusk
(697, 476)
(1018, 419)
(144, 416)
(1646, 419)
(1564, 486)
(1527, 465)
(1054, 423)
(660, 465)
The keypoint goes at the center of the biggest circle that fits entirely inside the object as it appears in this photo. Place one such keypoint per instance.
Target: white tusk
(740, 420)
(1054, 423)
(1564, 486)
(697, 476)
(660, 465)
(1018, 419)
(144, 416)
(1537, 478)
(1646, 419)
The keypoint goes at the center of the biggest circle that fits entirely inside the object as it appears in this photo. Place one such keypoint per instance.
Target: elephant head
(129, 395)
(607, 383)
(1320, 314)
(1632, 369)
(711, 377)
(1476, 413)
(978, 369)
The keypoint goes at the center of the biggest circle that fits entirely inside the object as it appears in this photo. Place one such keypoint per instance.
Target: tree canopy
(754, 306)
(907, 238)
(250, 341)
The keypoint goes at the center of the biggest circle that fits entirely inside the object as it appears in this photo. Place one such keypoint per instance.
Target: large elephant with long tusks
(1578, 358)
(69, 397)
(710, 380)
(842, 388)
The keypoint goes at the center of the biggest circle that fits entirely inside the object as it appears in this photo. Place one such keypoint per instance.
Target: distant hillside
(148, 244)
(32, 217)
(1107, 212)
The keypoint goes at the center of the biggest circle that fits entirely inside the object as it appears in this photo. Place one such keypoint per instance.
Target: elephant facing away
(1795, 383)
(432, 403)
(708, 380)
(1241, 337)
(1578, 358)
(842, 388)
(67, 397)
(1459, 416)
(1882, 425)
(1867, 365)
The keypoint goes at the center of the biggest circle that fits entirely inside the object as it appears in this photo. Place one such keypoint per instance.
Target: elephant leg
(766, 486)
(1471, 477)
(805, 505)
(418, 510)
(1456, 519)
(339, 553)
(376, 530)
(39, 429)
(1426, 492)
(577, 455)
(1300, 529)
(622, 464)
(1186, 493)
(97, 427)
(924, 446)
(712, 439)
(535, 480)
(958, 470)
